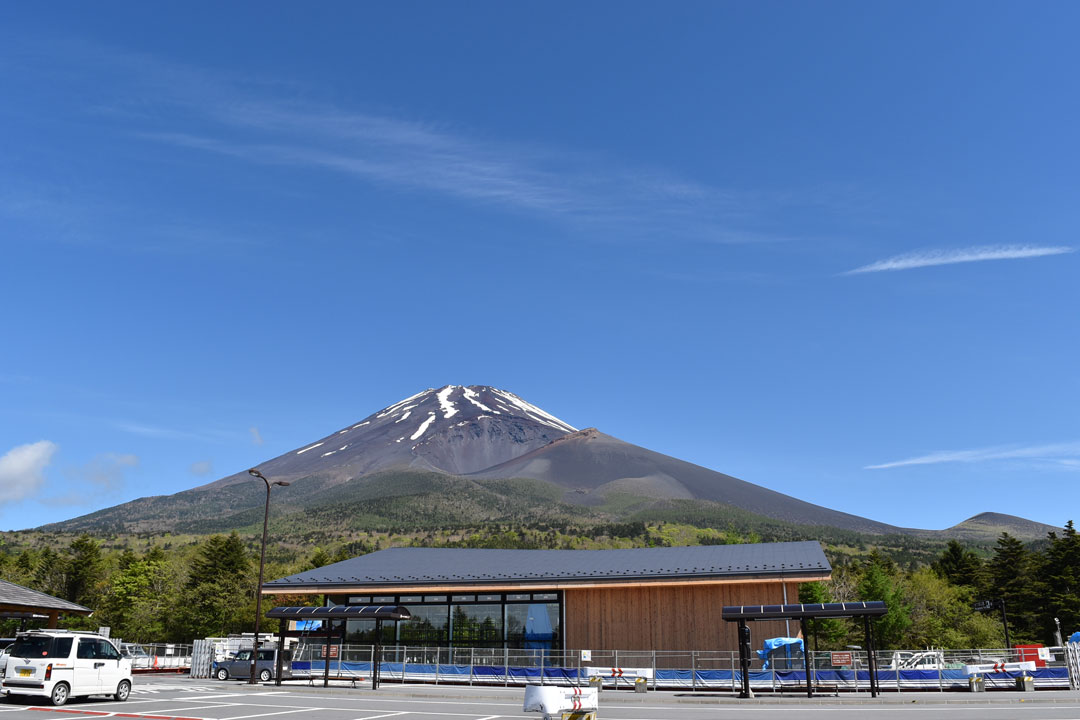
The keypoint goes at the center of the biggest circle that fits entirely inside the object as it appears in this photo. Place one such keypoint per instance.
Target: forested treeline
(930, 606)
(169, 593)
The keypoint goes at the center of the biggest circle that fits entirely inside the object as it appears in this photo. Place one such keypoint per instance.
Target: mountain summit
(485, 450)
(454, 429)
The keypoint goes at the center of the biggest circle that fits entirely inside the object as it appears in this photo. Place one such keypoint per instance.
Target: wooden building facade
(634, 599)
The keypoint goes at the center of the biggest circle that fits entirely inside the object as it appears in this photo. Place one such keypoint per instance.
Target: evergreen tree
(319, 558)
(1013, 580)
(1060, 581)
(829, 632)
(219, 594)
(877, 584)
(960, 566)
(85, 571)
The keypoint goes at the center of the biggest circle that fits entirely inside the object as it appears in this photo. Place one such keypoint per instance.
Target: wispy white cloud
(930, 258)
(101, 478)
(268, 122)
(256, 436)
(1065, 454)
(202, 467)
(22, 470)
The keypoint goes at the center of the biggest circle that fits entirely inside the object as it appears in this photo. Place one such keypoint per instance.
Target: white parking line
(197, 707)
(281, 712)
(372, 717)
(491, 717)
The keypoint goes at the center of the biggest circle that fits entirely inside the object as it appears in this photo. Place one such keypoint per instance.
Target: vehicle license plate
(25, 672)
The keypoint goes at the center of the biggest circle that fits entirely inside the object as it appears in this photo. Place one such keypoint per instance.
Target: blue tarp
(783, 647)
(1075, 637)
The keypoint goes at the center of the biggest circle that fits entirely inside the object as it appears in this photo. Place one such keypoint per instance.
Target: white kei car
(60, 664)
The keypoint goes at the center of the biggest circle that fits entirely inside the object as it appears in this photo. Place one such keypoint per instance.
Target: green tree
(319, 558)
(1060, 581)
(877, 583)
(941, 615)
(85, 571)
(830, 633)
(141, 597)
(1013, 579)
(218, 597)
(960, 566)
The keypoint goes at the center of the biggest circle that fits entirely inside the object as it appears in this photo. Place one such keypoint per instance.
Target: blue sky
(829, 248)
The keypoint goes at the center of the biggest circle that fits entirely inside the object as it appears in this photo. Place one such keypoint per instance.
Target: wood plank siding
(675, 617)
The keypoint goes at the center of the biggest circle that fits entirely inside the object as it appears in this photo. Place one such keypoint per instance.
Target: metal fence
(695, 670)
(148, 657)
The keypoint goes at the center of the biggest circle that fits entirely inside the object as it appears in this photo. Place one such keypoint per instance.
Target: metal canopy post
(806, 659)
(376, 656)
(744, 658)
(326, 655)
(282, 624)
(870, 661)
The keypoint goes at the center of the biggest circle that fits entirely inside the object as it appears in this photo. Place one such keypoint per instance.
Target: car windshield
(33, 646)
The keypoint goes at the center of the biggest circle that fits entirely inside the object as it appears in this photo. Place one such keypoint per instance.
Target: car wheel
(122, 691)
(264, 675)
(222, 674)
(60, 694)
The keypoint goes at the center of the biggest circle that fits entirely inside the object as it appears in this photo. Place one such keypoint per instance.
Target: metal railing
(158, 656)
(695, 670)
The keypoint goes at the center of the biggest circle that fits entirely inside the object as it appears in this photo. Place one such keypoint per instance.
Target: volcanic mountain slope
(456, 430)
(476, 439)
(592, 465)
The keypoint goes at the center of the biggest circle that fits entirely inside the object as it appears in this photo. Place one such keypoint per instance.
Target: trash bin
(1025, 683)
(597, 682)
(975, 683)
(641, 685)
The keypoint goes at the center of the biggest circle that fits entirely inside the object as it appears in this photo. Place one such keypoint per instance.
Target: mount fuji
(476, 438)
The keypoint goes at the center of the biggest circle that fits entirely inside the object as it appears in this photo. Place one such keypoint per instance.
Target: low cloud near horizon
(22, 469)
(931, 258)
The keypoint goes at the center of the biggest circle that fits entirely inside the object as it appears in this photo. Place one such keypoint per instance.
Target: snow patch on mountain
(471, 395)
(448, 408)
(423, 426)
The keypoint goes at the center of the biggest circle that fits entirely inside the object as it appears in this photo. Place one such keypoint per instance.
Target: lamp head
(254, 472)
(282, 483)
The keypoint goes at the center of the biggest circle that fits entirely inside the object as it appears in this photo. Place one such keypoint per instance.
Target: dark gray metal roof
(12, 595)
(453, 566)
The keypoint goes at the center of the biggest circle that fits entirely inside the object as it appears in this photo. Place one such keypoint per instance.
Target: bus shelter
(743, 614)
(328, 614)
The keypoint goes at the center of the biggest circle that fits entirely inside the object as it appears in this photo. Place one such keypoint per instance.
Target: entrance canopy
(378, 613)
(874, 608)
(342, 612)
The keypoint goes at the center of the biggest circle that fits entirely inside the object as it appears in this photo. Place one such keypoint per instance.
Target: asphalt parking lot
(180, 698)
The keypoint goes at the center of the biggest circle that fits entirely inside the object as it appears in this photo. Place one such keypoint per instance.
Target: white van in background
(61, 664)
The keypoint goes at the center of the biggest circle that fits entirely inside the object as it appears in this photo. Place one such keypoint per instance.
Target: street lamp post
(254, 472)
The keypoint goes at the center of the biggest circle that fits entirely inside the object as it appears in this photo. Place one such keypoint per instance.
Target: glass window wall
(511, 620)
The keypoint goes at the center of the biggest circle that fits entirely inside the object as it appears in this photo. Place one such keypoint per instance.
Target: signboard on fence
(586, 656)
(333, 651)
(841, 658)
